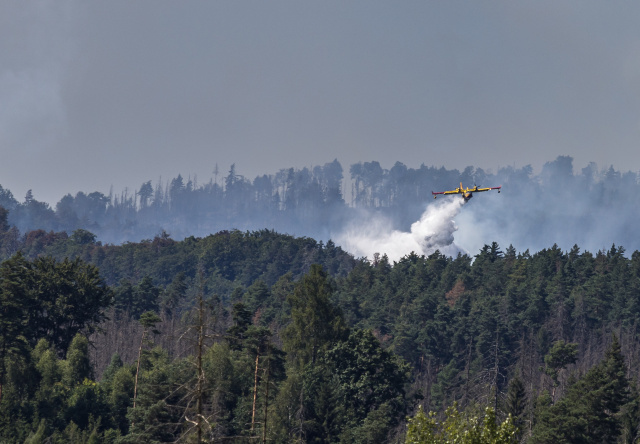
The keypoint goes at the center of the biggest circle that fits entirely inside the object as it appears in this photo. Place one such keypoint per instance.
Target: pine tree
(315, 323)
(516, 402)
(14, 299)
(148, 320)
(77, 366)
(590, 411)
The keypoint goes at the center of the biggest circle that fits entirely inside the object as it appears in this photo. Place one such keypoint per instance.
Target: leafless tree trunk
(255, 394)
(266, 399)
(135, 385)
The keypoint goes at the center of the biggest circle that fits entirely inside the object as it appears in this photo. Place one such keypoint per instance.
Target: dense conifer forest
(257, 336)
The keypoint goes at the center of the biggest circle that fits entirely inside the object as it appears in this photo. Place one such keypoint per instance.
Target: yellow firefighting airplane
(467, 193)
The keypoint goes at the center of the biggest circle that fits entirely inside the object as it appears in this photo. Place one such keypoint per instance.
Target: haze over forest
(101, 93)
(268, 293)
(359, 205)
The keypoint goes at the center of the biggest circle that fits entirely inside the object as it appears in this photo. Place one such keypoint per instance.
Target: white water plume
(434, 231)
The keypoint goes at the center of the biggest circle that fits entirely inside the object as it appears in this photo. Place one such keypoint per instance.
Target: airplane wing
(486, 189)
(456, 191)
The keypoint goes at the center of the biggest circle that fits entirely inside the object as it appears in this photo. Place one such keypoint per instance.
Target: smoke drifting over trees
(590, 207)
(434, 231)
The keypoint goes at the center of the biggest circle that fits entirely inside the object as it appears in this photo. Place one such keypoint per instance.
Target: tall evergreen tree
(590, 411)
(316, 324)
(14, 299)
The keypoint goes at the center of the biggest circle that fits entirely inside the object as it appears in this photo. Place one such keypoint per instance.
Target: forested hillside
(561, 204)
(257, 336)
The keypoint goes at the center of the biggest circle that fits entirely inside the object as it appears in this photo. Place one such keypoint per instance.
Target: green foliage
(157, 415)
(120, 395)
(316, 324)
(516, 402)
(77, 367)
(560, 355)
(123, 301)
(223, 384)
(460, 427)
(67, 296)
(174, 293)
(135, 300)
(590, 411)
(145, 296)
(148, 320)
(83, 237)
(114, 365)
(85, 402)
(369, 377)
(241, 322)
(358, 350)
(237, 258)
(14, 297)
(355, 391)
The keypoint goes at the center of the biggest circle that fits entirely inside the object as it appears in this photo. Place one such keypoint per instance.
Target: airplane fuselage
(467, 193)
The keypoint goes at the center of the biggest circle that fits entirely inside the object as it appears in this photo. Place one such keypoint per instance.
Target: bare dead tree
(200, 423)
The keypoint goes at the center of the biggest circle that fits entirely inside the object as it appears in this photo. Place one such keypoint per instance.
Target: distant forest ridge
(591, 207)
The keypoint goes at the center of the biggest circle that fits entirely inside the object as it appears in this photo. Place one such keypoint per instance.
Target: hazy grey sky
(101, 93)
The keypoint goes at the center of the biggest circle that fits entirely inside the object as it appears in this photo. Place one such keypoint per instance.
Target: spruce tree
(590, 411)
(516, 402)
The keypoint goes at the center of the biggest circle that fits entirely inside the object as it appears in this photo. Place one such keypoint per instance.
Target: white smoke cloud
(434, 231)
